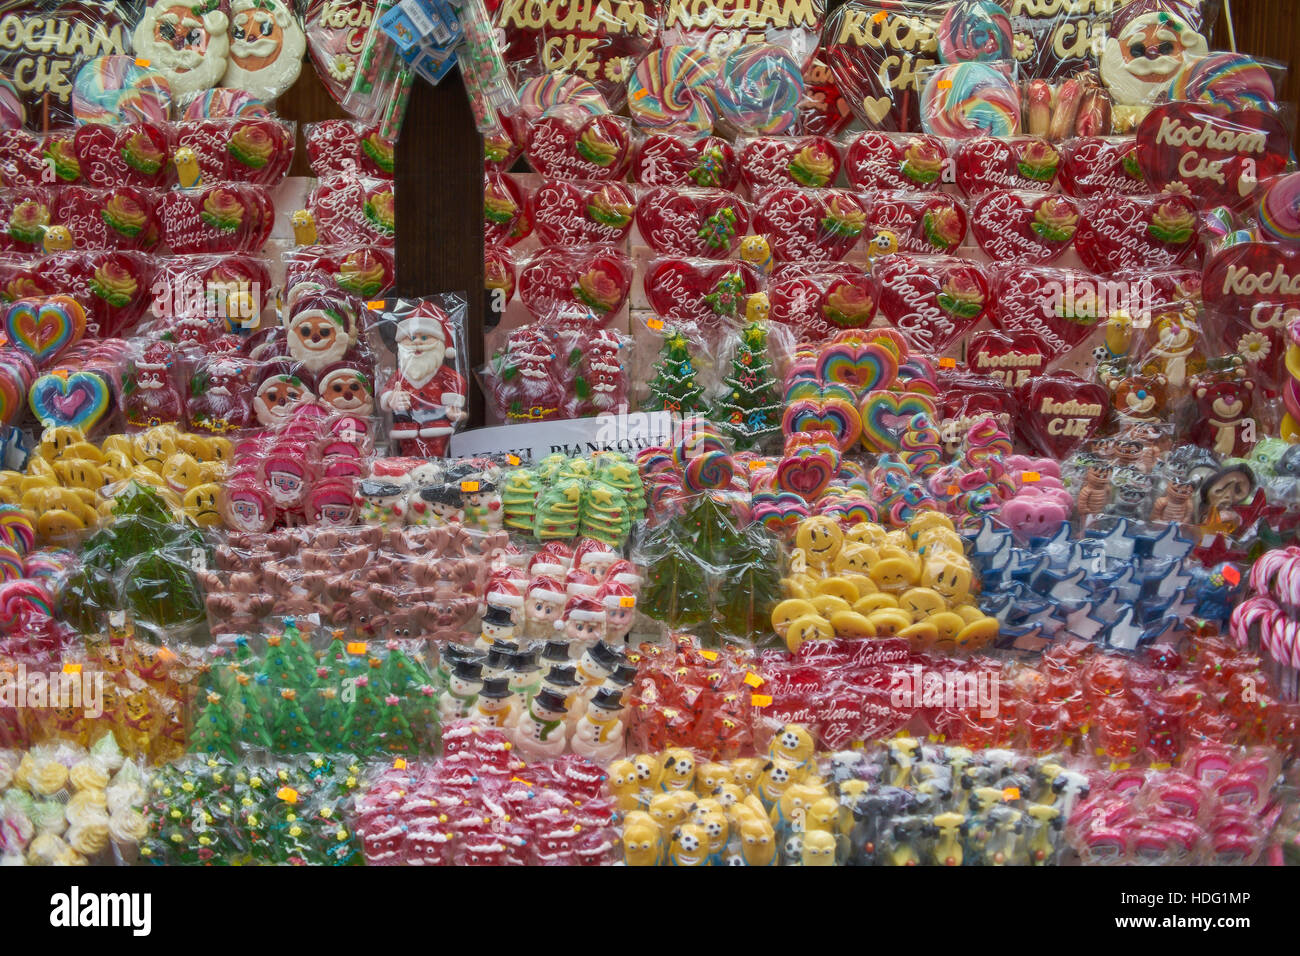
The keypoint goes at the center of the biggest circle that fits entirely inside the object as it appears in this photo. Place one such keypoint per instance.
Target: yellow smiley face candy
(820, 539)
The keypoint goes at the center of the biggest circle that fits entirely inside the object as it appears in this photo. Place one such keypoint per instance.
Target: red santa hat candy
(545, 564)
(612, 594)
(503, 592)
(624, 572)
(508, 555)
(596, 553)
(546, 589)
(581, 584)
(581, 609)
(428, 319)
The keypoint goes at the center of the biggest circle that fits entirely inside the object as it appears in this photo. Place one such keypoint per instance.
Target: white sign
(626, 432)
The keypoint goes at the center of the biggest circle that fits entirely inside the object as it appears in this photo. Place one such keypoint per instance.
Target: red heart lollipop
(505, 210)
(1014, 162)
(1024, 227)
(595, 277)
(663, 159)
(21, 160)
(810, 225)
(1062, 412)
(924, 223)
(932, 300)
(1012, 358)
(575, 214)
(1209, 153)
(1131, 232)
(1253, 290)
(699, 291)
(767, 162)
(877, 160)
(1095, 165)
(1060, 306)
(820, 303)
(569, 143)
(692, 222)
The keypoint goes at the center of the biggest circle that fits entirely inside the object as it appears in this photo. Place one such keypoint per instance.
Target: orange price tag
(357, 647)
(953, 489)
(753, 680)
(945, 84)
(469, 486)
(1030, 477)
(627, 602)
(947, 363)
(141, 61)
(1231, 574)
(72, 668)
(755, 464)
(1011, 793)
(375, 305)
(760, 700)
(513, 459)
(880, 16)
(287, 794)
(640, 94)
(655, 324)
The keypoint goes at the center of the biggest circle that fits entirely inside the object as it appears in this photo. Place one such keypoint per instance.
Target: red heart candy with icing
(819, 303)
(1029, 228)
(595, 277)
(121, 218)
(506, 218)
(699, 291)
(59, 153)
(924, 223)
(1061, 412)
(692, 222)
(1215, 155)
(767, 162)
(207, 140)
(24, 213)
(1131, 232)
(932, 300)
(113, 287)
(810, 225)
(1015, 162)
(218, 219)
(145, 154)
(575, 214)
(258, 150)
(664, 159)
(349, 209)
(1253, 289)
(568, 143)
(97, 155)
(21, 160)
(1096, 165)
(878, 160)
(968, 397)
(1012, 358)
(332, 147)
(1057, 305)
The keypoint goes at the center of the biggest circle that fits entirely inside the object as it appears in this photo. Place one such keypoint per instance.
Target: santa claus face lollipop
(266, 47)
(187, 44)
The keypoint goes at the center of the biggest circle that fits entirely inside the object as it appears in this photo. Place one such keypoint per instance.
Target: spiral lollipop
(975, 30)
(708, 470)
(16, 530)
(1279, 209)
(671, 90)
(13, 114)
(970, 99)
(540, 93)
(1229, 79)
(116, 89)
(760, 88)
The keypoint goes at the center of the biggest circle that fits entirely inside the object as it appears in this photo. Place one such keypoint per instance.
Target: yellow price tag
(1011, 793)
(655, 325)
(640, 94)
(514, 459)
(947, 363)
(141, 61)
(709, 655)
(1029, 477)
(944, 84)
(357, 647)
(755, 464)
(399, 764)
(72, 668)
(376, 305)
(760, 700)
(880, 16)
(753, 680)
(287, 794)
(469, 486)
(627, 602)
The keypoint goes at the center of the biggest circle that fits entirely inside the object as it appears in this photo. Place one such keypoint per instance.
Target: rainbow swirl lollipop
(964, 100)
(973, 31)
(114, 89)
(1229, 79)
(672, 90)
(540, 93)
(760, 88)
(219, 103)
(1279, 209)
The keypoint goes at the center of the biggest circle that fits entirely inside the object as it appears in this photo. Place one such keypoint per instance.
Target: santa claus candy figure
(149, 395)
(319, 330)
(620, 610)
(582, 624)
(601, 383)
(526, 380)
(426, 396)
(220, 396)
